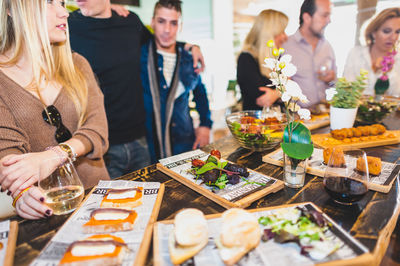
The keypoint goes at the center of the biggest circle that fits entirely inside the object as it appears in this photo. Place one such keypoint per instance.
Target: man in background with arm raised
(111, 43)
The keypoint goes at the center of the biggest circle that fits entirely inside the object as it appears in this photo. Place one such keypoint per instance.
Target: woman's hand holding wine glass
(63, 190)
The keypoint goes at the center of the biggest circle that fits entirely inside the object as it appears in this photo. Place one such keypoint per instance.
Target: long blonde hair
(23, 29)
(268, 24)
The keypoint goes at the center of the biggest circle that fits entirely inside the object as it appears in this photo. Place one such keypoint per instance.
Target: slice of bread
(190, 235)
(108, 220)
(127, 198)
(97, 250)
(240, 233)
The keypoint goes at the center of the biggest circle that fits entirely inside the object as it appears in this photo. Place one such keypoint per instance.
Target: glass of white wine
(63, 189)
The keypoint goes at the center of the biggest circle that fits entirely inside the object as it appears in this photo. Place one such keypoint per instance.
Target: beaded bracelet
(19, 196)
(59, 153)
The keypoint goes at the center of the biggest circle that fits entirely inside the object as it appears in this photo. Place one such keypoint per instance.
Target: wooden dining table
(372, 220)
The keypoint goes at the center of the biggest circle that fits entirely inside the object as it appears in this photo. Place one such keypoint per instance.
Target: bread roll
(240, 233)
(190, 235)
(374, 165)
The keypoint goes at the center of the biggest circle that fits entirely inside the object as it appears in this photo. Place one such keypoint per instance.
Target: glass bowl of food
(373, 111)
(257, 130)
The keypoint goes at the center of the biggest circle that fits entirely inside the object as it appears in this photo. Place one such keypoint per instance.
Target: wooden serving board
(142, 250)
(360, 254)
(325, 140)
(382, 183)
(317, 121)
(239, 195)
(8, 240)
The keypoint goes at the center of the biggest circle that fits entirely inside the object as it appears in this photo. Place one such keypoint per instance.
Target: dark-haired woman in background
(252, 76)
(51, 108)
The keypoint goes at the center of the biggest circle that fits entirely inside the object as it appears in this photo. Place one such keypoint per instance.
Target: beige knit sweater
(23, 130)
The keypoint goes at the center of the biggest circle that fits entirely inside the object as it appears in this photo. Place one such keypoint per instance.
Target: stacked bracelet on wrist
(59, 153)
(69, 150)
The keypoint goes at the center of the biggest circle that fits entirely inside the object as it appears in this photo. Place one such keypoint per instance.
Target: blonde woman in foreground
(51, 108)
(252, 76)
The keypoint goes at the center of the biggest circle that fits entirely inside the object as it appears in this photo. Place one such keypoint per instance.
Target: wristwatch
(69, 150)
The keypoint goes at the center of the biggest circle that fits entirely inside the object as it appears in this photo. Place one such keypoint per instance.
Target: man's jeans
(124, 158)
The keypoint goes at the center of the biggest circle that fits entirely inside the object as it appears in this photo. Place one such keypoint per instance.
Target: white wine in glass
(63, 189)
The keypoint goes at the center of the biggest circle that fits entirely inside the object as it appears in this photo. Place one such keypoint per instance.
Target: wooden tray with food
(8, 239)
(225, 183)
(382, 174)
(358, 137)
(317, 121)
(113, 226)
(295, 234)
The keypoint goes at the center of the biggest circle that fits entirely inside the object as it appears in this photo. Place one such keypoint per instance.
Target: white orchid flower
(330, 93)
(286, 97)
(270, 63)
(304, 114)
(289, 70)
(293, 89)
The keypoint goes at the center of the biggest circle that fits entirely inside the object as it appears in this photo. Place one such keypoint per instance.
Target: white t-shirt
(360, 58)
(169, 61)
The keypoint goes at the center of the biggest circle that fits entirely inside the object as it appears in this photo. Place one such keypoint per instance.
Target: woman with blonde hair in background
(252, 76)
(51, 108)
(381, 36)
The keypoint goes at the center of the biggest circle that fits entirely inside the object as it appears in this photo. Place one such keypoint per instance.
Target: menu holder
(351, 251)
(239, 195)
(138, 239)
(8, 240)
(315, 166)
(326, 140)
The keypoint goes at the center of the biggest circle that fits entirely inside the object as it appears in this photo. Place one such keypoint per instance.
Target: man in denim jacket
(168, 77)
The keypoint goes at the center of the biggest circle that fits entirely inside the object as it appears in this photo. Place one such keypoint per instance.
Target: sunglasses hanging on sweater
(52, 116)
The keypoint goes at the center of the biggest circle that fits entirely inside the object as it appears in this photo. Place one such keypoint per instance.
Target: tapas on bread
(107, 220)
(190, 235)
(239, 233)
(124, 198)
(121, 233)
(95, 250)
(300, 231)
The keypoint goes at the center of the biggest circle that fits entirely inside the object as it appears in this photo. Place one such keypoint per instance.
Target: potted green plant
(344, 99)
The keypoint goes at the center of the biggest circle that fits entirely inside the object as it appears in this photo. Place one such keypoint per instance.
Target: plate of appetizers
(296, 234)
(8, 239)
(113, 226)
(227, 184)
(381, 174)
(358, 137)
